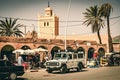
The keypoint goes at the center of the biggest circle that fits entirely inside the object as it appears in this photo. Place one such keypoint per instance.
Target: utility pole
(67, 22)
(119, 44)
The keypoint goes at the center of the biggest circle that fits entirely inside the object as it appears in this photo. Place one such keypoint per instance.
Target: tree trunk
(110, 45)
(98, 34)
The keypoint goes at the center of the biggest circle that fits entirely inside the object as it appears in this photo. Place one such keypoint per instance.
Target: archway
(54, 50)
(7, 50)
(42, 47)
(101, 52)
(69, 49)
(43, 54)
(25, 47)
(80, 50)
(90, 53)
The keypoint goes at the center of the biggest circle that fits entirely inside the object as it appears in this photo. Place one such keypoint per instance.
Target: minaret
(48, 10)
(49, 23)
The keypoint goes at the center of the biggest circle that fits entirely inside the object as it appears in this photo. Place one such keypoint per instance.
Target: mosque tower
(48, 25)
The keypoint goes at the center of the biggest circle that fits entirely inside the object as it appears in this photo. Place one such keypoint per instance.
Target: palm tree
(105, 12)
(93, 19)
(8, 27)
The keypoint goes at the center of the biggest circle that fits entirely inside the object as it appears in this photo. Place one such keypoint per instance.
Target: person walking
(95, 57)
(20, 60)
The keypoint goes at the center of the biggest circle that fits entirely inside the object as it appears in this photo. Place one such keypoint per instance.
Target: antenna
(48, 4)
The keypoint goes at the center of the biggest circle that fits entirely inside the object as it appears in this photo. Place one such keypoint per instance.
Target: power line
(38, 20)
(77, 25)
(115, 22)
(115, 17)
(69, 34)
(51, 21)
(73, 25)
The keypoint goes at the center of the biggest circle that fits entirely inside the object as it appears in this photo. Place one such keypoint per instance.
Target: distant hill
(116, 39)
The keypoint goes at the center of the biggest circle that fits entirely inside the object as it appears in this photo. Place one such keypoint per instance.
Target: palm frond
(9, 27)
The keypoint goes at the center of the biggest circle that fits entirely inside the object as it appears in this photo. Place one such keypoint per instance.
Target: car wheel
(13, 76)
(64, 69)
(68, 70)
(49, 70)
(79, 68)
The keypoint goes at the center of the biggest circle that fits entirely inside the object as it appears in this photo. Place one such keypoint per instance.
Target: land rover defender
(64, 61)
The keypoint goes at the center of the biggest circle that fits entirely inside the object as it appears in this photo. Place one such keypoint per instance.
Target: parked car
(64, 61)
(9, 70)
(114, 59)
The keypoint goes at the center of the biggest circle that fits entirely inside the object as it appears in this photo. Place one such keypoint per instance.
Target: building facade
(48, 38)
(9, 44)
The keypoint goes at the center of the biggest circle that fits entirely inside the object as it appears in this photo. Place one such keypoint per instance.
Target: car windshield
(57, 56)
(60, 56)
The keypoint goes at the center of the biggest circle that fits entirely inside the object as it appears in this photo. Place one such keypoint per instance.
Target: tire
(63, 69)
(68, 70)
(79, 68)
(13, 76)
(49, 70)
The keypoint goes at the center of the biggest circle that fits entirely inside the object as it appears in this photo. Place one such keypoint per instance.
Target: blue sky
(29, 9)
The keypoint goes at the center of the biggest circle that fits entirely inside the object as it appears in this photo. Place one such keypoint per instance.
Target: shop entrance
(7, 50)
(90, 53)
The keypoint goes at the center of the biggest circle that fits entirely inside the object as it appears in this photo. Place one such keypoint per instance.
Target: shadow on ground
(71, 71)
(17, 79)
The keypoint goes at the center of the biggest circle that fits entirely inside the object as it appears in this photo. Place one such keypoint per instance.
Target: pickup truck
(9, 70)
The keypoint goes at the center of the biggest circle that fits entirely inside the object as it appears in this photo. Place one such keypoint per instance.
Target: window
(80, 55)
(57, 56)
(74, 56)
(70, 56)
(9, 64)
(47, 23)
(44, 23)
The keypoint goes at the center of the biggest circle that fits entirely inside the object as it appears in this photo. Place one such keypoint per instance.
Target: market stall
(31, 57)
